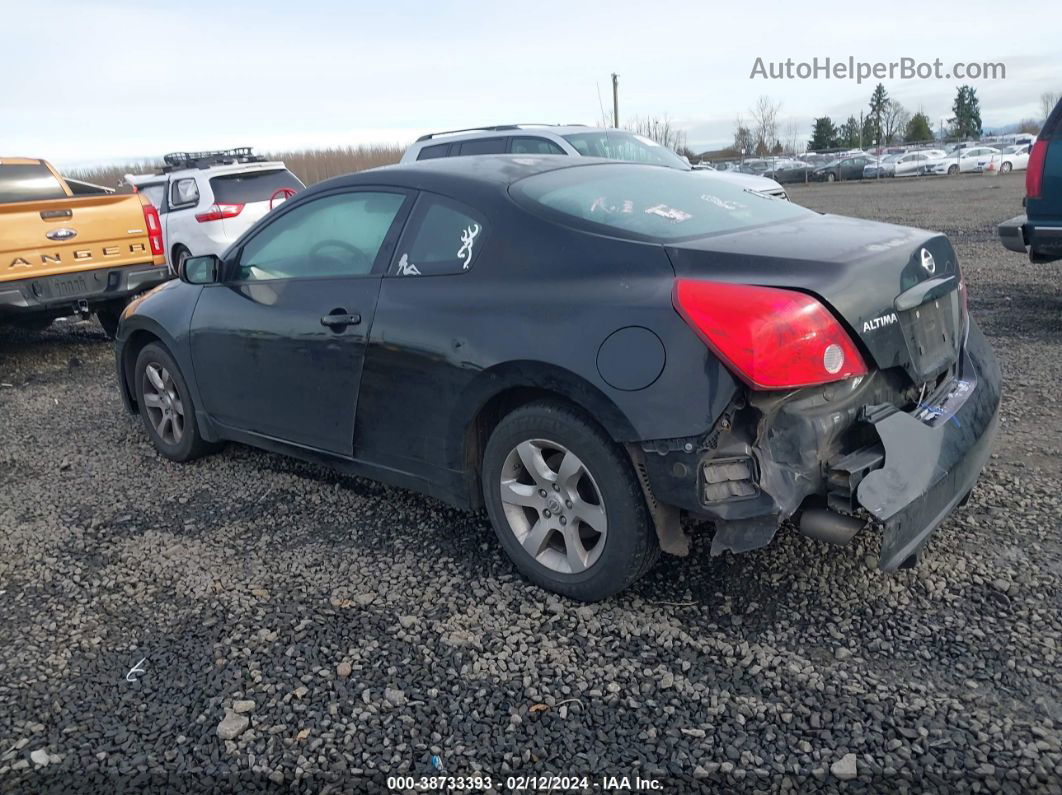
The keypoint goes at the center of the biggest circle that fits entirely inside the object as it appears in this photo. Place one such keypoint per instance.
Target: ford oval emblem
(928, 262)
(61, 234)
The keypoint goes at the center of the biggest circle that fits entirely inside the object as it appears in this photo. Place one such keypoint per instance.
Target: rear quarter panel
(534, 311)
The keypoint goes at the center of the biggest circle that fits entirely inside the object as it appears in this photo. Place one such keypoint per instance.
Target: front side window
(483, 146)
(647, 203)
(442, 237)
(534, 146)
(337, 235)
(184, 192)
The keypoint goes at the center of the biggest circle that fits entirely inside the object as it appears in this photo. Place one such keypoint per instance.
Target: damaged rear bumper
(844, 446)
(933, 456)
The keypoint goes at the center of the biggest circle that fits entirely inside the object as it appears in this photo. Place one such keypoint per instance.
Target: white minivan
(208, 199)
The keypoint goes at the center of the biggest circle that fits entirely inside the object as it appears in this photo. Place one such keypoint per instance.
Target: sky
(87, 81)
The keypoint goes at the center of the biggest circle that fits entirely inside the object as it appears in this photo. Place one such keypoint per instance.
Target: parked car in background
(959, 161)
(1039, 231)
(880, 168)
(786, 171)
(589, 350)
(913, 164)
(574, 140)
(1009, 158)
(845, 168)
(64, 254)
(208, 199)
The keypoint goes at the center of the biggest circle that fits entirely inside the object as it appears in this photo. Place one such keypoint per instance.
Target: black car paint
(440, 352)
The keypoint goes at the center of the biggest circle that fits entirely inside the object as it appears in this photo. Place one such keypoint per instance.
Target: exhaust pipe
(829, 526)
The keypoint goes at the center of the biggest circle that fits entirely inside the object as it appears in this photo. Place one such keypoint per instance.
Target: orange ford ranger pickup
(64, 254)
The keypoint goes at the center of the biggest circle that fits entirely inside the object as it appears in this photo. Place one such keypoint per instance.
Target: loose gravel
(251, 622)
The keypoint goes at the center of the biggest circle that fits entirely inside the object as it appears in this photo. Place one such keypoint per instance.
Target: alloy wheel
(163, 403)
(553, 506)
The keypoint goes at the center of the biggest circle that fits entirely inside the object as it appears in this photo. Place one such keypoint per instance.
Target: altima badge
(928, 262)
(61, 234)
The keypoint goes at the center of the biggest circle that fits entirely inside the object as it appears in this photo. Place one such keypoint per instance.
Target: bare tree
(1030, 126)
(661, 129)
(793, 137)
(1048, 100)
(894, 118)
(765, 124)
(743, 140)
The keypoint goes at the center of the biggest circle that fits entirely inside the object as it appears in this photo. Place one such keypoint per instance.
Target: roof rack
(495, 128)
(218, 157)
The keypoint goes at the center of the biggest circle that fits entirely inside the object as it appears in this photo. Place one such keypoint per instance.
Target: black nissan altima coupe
(588, 350)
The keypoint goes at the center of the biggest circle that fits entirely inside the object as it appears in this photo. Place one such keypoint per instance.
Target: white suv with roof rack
(573, 140)
(208, 199)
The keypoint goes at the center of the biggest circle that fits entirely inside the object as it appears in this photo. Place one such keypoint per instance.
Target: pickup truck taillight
(1034, 177)
(154, 229)
(769, 337)
(218, 211)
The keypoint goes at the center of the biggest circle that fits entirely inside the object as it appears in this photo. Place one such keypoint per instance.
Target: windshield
(657, 204)
(616, 145)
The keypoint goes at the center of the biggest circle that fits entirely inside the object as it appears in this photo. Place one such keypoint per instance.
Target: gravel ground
(339, 631)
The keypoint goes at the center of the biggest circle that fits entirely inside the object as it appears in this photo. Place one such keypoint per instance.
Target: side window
(184, 192)
(337, 235)
(430, 152)
(442, 237)
(483, 146)
(535, 146)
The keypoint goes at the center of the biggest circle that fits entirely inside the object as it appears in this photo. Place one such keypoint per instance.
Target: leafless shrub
(765, 124)
(309, 165)
(661, 129)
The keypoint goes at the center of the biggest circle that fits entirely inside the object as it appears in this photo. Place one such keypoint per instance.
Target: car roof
(505, 131)
(440, 173)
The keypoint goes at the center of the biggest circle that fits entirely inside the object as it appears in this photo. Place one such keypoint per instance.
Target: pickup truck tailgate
(43, 238)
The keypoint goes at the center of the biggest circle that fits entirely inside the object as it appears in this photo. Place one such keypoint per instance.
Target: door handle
(338, 319)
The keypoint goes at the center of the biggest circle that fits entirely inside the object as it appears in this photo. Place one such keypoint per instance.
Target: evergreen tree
(966, 123)
(823, 134)
(878, 101)
(849, 133)
(918, 129)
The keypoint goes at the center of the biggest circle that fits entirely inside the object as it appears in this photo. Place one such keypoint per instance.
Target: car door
(278, 346)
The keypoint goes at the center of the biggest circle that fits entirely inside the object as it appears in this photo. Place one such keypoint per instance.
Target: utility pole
(615, 100)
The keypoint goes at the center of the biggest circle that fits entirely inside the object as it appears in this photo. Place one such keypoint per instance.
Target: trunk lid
(895, 288)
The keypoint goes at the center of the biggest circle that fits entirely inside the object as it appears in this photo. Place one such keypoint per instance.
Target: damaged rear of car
(872, 397)
(865, 394)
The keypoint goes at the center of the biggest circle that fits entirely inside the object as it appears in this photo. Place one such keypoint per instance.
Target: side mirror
(200, 270)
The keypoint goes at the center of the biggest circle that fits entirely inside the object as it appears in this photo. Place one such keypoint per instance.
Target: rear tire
(166, 406)
(591, 535)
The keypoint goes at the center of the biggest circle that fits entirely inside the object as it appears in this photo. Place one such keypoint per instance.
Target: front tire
(1005, 168)
(953, 170)
(565, 503)
(830, 177)
(166, 406)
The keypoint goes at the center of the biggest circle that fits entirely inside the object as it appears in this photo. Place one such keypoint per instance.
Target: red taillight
(154, 229)
(1034, 176)
(771, 338)
(218, 211)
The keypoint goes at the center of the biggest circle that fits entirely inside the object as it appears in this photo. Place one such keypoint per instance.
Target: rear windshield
(27, 183)
(652, 203)
(252, 186)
